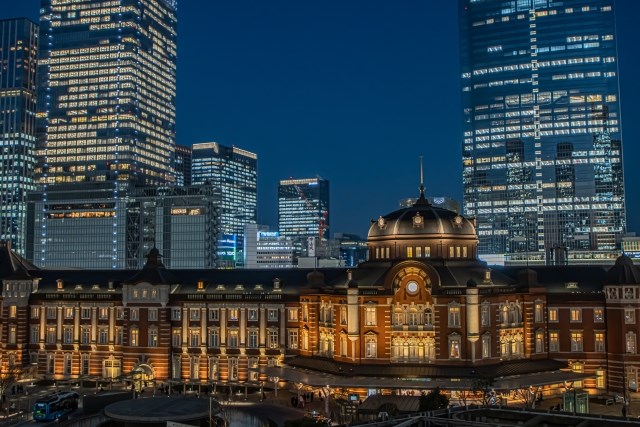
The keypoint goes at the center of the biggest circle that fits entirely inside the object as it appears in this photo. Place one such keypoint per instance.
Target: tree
(433, 400)
(9, 374)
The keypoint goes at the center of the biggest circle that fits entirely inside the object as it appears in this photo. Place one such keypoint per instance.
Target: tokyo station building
(423, 311)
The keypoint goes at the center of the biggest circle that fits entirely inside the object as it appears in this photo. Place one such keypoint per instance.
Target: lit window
(576, 315)
(454, 316)
(576, 341)
(553, 315)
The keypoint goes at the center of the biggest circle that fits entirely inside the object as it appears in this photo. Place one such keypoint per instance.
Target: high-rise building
(266, 249)
(542, 154)
(84, 226)
(303, 209)
(234, 172)
(18, 58)
(183, 165)
(106, 108)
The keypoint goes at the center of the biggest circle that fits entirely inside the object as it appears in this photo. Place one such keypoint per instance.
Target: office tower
(303, 210)
(542, 155)
(235, 173)
(84, 226)
(18, 54)
(266, 249)
(183, 166)
(106, 110)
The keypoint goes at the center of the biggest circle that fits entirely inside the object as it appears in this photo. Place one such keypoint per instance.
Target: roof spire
(421, 200)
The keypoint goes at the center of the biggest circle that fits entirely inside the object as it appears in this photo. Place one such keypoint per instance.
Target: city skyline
(362, 88)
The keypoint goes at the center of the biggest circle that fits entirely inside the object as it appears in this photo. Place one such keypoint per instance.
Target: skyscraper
(303, 209)
(183, 165)
(18, 55)
(542, 155)
(107, 106)
(234, 172)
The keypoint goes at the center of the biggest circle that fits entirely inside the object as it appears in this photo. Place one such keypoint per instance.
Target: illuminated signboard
(187, 211)
(227, 247)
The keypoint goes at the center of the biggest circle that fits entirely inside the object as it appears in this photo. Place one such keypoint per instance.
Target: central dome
(422, 231)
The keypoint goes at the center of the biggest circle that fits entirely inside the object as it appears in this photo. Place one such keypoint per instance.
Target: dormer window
(201, 285)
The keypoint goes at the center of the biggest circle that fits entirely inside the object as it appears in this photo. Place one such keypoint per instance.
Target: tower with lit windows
(107, 110)
(303, 209)
(234, 173)
(18, 49)
(542, 152)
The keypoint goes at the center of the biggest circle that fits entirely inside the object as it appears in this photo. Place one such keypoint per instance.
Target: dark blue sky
(354, 91)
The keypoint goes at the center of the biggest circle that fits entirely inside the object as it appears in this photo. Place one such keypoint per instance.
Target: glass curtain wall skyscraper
(542, 152)
(106, 111)
(303, 209)
(234, 172)
(18, 59)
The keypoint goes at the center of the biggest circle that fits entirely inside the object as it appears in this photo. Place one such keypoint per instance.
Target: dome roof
(421, 219)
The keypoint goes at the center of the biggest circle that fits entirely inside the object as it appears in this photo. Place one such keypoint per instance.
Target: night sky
(354, 91)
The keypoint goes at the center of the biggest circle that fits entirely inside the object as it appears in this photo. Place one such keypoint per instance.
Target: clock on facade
(412, 287)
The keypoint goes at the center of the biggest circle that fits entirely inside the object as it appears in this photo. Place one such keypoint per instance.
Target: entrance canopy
(323, 379)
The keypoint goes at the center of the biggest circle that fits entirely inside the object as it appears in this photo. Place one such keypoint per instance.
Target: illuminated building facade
(266, 249)
(234, 172)
(303, 209)
(106, 108)
(183, 165)
(423, 312)
(542, 152)
(85, 227)
(18, 55)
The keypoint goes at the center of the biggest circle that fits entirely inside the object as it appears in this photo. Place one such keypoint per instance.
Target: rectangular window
(13, 334)
(68, 312)
(153, 314)
(51, 312)
(135, 315)
(629, 316)
(68, 335)
(485, 315)
(214, 314)
(292, 314)
(293, 339)
(252, 314)
(370, 316)
(554, 342)
(67, 364)
(273, 339)
(253, 339)
(35, 334)
(120, 313)
(35, 312)
(576, 315)
(103, 336)
(214, 338)
(576, 341)
(539, 342)
(233, 339)
(153, 337)
(103, 313)
(176, 337)
(343, 314)
(537, 312)
(409, 252)
(84, 367)
(85, 313)
(599, 342)
(85, 336)
(51, 335)
(454, 317)
(486, 346)
(194, 338)
(598, 315)
(454, 347)
(371, 348)
(272, 315)
(630, 341)
(553, 315)
(119, 335)
(194, 314)
(233, 314)
(135, 336)
(418, 251)
(176, 314)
